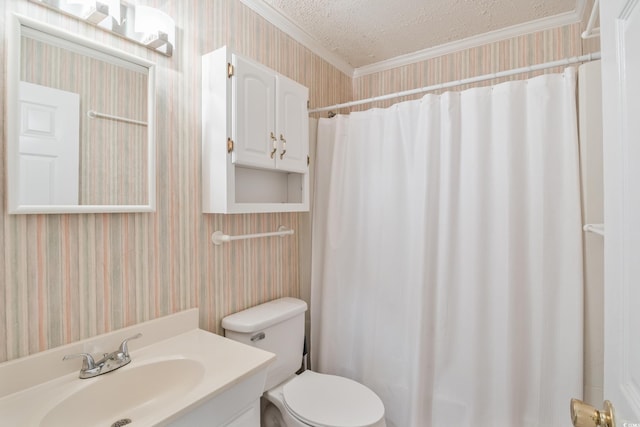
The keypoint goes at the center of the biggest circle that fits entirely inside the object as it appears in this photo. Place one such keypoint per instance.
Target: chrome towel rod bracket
(594, 228)
(591, 30)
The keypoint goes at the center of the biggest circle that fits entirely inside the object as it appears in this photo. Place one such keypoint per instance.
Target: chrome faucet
(109, 362)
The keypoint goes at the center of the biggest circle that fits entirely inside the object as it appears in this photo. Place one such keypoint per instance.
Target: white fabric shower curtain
(447, 255)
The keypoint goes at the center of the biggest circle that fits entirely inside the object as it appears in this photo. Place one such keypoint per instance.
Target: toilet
(310, 398)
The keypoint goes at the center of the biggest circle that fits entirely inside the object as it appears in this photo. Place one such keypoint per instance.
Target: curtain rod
(537, 67)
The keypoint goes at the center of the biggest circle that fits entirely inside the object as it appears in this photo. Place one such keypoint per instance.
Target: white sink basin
(126, 393)
(179, 375)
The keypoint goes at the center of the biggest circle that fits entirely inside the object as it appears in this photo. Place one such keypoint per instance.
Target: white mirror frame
(14, 32)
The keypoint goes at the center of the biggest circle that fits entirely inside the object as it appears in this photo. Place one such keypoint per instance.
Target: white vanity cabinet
(239, 406)
(255, 137)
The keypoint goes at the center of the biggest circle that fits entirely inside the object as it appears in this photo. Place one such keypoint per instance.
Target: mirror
(80, 124)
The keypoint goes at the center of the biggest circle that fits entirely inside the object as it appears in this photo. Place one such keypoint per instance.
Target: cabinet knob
(284, 146)
(274, 141)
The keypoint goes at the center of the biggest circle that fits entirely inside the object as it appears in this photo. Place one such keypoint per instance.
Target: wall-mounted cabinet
(255, 137)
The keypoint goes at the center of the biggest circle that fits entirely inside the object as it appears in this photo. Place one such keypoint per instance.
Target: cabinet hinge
(230, 70)
(229, 145)
(308, 104)
(308, 160)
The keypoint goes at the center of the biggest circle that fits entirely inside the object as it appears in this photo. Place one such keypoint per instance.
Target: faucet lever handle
(124, 348)
(87, 360)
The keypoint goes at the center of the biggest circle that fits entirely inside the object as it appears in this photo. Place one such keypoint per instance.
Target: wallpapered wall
(67, 277)
(543, 46)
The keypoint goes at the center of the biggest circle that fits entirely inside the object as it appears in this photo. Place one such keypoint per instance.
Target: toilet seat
(330, 401)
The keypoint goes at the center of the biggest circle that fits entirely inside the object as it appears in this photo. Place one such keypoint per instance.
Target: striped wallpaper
(67, 277)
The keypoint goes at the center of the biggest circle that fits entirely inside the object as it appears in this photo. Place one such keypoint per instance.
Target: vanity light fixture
(144, 25)
(157, 28)
(93, 11)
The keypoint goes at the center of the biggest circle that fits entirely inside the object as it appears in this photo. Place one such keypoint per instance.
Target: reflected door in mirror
(49, 145)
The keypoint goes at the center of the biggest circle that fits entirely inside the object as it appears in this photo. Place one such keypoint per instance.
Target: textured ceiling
(363, 32)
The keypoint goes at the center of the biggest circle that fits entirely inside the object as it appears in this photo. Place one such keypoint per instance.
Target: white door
(620, 39)
(48, 164)
(292, 123)
(253, 117)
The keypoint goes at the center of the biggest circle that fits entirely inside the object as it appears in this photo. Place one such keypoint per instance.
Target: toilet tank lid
(264, 315)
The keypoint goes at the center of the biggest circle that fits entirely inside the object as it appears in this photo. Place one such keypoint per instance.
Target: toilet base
(274, 413)
(270, 415)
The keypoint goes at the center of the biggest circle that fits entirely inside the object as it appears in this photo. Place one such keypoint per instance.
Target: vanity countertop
(175, 367)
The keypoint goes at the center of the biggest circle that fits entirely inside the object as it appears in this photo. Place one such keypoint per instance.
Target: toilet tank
(276, 326)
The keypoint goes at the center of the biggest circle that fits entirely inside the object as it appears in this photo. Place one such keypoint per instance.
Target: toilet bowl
(309, 399)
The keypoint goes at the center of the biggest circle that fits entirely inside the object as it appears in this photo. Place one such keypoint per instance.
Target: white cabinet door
(250, 417)
(270, 120)
(620, 29)
(253, 119)
(293, 126)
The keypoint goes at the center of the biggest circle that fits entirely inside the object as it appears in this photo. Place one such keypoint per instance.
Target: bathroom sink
(126, 393)
(178, 376)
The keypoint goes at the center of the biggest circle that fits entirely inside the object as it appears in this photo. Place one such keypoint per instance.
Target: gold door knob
(584, 415)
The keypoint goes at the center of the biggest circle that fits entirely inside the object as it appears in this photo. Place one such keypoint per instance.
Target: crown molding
(542, 24)
(283, 23)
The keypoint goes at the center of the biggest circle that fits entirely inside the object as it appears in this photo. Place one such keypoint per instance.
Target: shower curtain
(447, 255)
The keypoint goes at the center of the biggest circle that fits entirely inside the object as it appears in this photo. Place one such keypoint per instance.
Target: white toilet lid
(331, 401)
